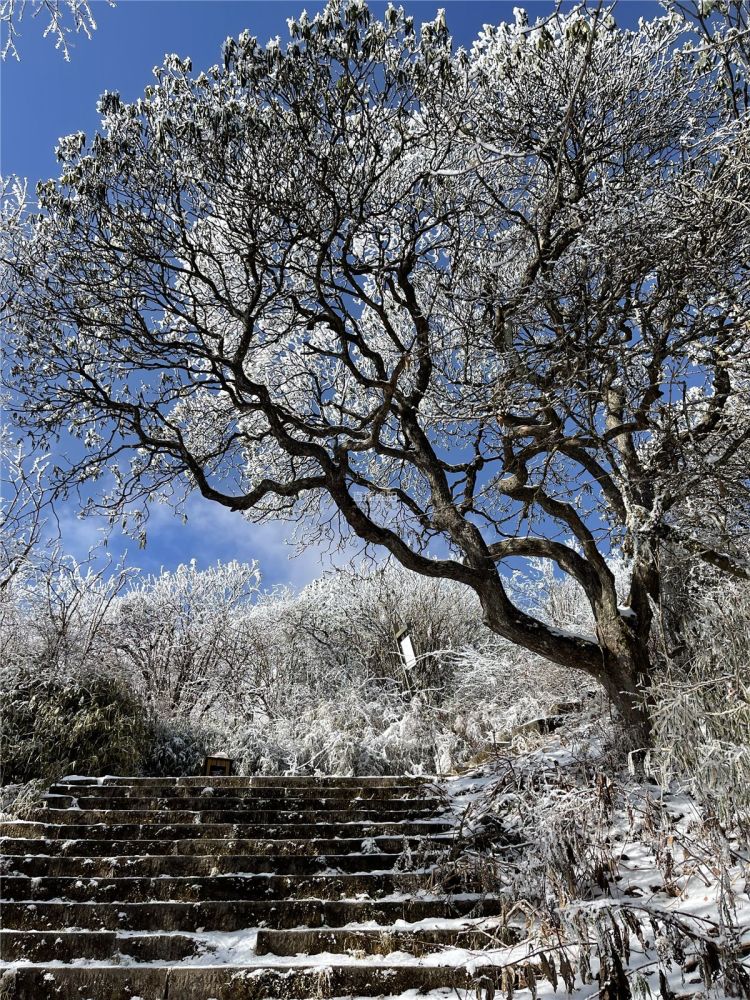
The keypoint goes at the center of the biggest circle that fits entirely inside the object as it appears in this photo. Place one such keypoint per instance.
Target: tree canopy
(467, 306)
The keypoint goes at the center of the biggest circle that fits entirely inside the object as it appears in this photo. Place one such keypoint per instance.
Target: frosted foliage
(353, 734)
(180, 637)
(559, 600)
(327, 688)
(313, 681)
(497, 689)
(308, 682)
(722, 44)
(61, 19)
(701, 704)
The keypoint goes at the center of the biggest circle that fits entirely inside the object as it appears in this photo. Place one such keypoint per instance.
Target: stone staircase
(234, 889)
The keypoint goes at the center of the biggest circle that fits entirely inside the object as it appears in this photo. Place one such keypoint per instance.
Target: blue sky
(43, 97)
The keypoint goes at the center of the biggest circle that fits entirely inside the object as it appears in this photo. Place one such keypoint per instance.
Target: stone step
(236, 982)
(103, 846)
(280, 803)
(384, 940)
(396, 793)
(70, 946)
(194, 865)
(67, 946)
(20, 829)
(213, 888)
(207, 816)
(136, 875)
(256, 781)
(232, 915)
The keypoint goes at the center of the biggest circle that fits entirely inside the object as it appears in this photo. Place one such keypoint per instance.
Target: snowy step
(219, 831)
(384, 940)
(215, 887)
(255, 781)
(66, 946)
(208, 815)
(196, 865)
(102, 844)
(69, 946)
(223, 801)
(237, 889)
(276, 792)
(230, 915)
(236, 982)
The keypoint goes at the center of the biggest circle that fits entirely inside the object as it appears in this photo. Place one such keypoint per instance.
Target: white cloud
(211, 533)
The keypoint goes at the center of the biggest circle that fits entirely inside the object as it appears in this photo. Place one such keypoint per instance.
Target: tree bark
(626, 672)
(619, 661)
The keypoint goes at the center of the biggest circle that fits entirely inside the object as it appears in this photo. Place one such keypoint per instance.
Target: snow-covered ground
(602, 864)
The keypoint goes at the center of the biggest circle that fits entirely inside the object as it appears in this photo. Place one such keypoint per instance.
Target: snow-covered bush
(341, 631)
(314, 681)
(326, 688)
(175, 747)
(353, 734)
(701, 700)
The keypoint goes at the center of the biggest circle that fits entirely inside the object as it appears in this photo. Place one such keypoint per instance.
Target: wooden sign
(217, 765)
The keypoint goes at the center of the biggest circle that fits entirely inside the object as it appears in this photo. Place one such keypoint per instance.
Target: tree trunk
(618, 658)
(625, 675)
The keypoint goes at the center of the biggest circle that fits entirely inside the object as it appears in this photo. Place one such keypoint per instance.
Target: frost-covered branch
(63, 18)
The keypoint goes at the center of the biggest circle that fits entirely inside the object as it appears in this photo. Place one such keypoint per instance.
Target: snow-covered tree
(352, 618)
(721, 45)
(463, 306)
(22, 500)
(56, 618)
(180, 637)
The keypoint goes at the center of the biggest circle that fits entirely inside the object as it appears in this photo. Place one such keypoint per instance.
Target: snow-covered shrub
(19, 801)
(700, 701)
(326, 688)
(350, 735)
(51, 726)
(294, 682)
(176, 747)
(340, 631)
(353, 617)
(379, 728)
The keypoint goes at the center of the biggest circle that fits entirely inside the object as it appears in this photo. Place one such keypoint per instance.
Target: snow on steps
(235, 888)
(300, 981)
